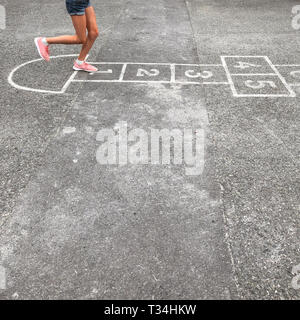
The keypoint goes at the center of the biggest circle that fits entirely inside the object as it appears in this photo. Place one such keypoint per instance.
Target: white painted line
(243, 56)
(153, 81)
(15, 85)
(231, 83)
(135, 63)
(122, 81)
(215, 83)
(123, 72)
(198, 65)
(173, 75)
(287, 65)
(263, 95)
(109, 71)
(253, 74)
(157, 64)
(65, 87)
(292, 93)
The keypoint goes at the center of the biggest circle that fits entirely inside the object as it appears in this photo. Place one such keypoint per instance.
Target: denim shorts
(77, 7)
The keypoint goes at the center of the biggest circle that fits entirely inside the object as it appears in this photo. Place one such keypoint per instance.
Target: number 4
(246, 65)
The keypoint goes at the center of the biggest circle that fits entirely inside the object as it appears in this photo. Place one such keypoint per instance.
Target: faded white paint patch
(15, 296)
(2, 278)
(89, 130)
(69, 130)
(188, 115)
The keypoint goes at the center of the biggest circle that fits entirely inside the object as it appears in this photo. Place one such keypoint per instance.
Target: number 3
(193, 74)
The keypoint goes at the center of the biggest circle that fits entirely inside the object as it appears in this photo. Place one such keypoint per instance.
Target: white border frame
(291, 94)
(172, 81)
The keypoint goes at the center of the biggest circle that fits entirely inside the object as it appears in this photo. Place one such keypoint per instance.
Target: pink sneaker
(42, 49)
(84, 67)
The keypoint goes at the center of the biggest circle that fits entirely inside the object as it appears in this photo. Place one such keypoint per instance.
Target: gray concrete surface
(71, 228)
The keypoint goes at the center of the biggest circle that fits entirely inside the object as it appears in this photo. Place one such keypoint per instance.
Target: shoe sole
(77, 69)
(38, 48)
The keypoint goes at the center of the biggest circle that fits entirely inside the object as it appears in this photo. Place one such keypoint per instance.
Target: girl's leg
(64, 40)
(80, 25)
(91, 25)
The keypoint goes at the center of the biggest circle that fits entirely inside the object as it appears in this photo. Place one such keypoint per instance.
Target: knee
(81, 39)
(93, 34)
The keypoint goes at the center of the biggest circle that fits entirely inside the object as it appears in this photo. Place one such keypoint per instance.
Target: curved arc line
(15, 85)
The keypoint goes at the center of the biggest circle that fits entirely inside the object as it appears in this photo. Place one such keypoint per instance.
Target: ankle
(79, 62)
(45, 42)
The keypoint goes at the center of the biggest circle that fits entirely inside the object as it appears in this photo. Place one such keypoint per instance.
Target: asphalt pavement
(74, 228)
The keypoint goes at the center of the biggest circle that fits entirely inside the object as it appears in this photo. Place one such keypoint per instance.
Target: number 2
(151, 73)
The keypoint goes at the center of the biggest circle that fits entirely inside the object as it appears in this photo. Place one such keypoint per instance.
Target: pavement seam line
(225, 220)
(228, 241)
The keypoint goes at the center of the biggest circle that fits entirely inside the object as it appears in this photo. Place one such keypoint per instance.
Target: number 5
(259, 84)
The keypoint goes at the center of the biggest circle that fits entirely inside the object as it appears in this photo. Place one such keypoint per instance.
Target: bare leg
(91, 25)
(64, 40)
(79, 23)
